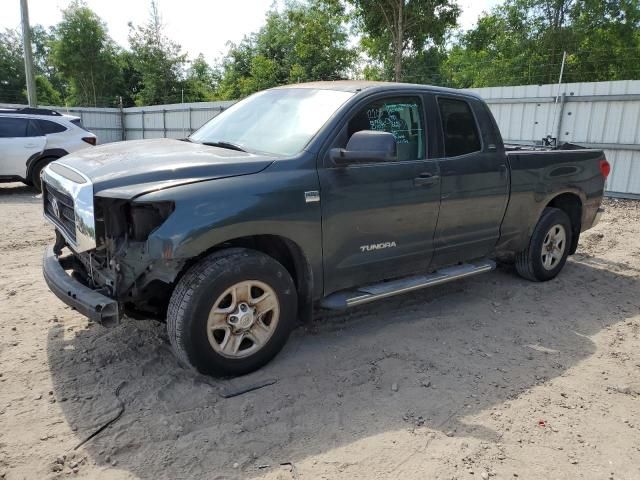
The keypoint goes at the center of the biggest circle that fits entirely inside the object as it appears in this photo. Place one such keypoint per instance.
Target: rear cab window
(400, 116)
(459, 127)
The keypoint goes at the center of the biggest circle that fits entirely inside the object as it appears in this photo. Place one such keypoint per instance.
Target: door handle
(426, 179)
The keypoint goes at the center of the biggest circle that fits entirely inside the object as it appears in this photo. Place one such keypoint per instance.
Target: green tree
(47, 94)
(499, 49)
(522, 42)
(303, 42)
(607, 41)
(236, 69)
(397, 29)
(131, 78)
(42, 42)
(12, 79)
(12, 76)
(201, 82)
(86, 57)
(159, 61)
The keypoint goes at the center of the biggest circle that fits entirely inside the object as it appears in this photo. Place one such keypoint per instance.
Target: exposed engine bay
(120, 266)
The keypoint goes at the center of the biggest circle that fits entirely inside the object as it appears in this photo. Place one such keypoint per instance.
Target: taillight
(90, 140)
(605, 168)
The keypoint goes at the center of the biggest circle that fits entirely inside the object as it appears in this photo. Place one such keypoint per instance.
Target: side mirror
(366, 146)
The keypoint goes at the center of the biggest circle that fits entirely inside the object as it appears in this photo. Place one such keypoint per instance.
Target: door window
(13, 127)
(400, 116)
(48, 127)
(459, 126)
(33, 129)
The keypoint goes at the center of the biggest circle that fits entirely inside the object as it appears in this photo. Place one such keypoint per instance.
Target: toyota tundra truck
(326, 194)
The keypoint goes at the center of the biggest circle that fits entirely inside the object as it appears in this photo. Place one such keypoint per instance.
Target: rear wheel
(37, 170)
(232, 313)
(548, 247)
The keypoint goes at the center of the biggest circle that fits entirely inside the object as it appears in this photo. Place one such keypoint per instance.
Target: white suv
(30, 138)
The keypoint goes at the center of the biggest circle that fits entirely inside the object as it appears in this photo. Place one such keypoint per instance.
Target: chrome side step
(369, 293)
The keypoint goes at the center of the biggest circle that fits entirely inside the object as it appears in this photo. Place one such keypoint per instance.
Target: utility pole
(28, 56)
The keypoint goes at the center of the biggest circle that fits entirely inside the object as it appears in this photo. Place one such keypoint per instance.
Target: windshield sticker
(388, 118)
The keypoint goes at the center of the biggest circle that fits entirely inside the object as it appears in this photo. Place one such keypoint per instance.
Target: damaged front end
(121, 264)
(108, 266)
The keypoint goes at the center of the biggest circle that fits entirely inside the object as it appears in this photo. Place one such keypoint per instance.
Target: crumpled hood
(128, 169)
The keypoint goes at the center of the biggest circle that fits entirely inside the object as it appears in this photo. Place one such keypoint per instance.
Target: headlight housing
(144, 218)
(118, 220)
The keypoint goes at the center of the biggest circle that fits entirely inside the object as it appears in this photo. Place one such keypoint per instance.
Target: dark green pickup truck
(329, 194)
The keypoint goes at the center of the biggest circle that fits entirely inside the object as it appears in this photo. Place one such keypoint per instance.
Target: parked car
(31, 138)
(322, 194)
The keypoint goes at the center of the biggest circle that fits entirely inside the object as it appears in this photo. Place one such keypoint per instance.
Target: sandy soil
(487, 377)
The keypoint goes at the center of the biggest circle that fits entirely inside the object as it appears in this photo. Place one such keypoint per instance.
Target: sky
(199, 26)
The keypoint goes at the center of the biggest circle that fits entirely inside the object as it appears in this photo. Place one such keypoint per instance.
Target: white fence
(603, 115)
(170, 121)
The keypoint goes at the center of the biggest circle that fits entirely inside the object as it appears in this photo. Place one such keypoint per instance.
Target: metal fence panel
(104, 122)
(170, 121)
(604, 115)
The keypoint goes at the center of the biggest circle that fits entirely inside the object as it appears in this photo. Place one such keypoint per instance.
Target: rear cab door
(475, 180)
(20, 140)
(378, 219)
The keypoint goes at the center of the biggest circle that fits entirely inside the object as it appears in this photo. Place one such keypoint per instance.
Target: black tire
(37, 169)
(529, 263)
(202, 285)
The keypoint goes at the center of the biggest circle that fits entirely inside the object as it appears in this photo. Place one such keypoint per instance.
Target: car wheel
(37, 170)
(232, 312)
(548, 247)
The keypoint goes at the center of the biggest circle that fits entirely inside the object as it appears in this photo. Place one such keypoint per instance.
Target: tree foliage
(86, 56)
(522, 42)
(303, 42)
(395, 30)
(12, 79)
(201, 81)
(47, 93)
(159, 61)
(518, 42)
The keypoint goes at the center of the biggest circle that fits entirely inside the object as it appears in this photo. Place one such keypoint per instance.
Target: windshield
(280, 121)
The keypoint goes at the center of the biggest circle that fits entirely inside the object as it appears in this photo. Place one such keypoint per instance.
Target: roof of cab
(356, 86)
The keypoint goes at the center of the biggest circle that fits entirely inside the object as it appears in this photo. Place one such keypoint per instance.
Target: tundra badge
(312, 196)
(377, 246)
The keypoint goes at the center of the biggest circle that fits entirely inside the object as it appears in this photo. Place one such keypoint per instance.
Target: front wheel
(232, 312)
(548, 247)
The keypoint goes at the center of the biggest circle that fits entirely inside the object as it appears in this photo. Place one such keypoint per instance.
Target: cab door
(378, 219)
(20, 139)
(475, 183)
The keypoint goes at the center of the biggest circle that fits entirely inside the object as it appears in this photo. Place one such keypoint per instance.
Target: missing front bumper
(93, 305)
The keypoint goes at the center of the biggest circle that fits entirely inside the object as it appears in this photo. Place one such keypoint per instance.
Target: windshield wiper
(222, 144)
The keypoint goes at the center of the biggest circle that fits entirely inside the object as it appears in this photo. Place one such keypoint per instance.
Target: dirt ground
(486, 377)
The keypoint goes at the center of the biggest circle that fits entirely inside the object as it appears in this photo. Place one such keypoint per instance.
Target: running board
(369, 293)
